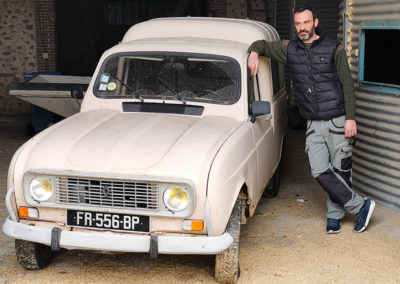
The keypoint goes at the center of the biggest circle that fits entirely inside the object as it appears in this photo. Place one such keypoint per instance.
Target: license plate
(108, 221)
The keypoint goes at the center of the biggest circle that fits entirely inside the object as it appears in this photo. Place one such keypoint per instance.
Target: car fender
(10, 196)
(234, 165)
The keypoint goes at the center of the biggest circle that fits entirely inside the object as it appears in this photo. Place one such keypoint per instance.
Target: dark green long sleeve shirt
(277, 50)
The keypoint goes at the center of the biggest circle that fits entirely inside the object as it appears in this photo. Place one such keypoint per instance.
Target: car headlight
(176, 198)
(41, 188)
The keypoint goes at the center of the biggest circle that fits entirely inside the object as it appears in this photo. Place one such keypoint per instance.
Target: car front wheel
(227, 268)
(33, 256)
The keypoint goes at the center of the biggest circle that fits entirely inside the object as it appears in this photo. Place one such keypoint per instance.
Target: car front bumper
(110, 241)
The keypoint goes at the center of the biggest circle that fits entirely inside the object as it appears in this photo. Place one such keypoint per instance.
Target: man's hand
(253, 63)
(350, 128)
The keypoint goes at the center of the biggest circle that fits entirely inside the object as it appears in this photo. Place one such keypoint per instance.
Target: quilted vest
(319, 93)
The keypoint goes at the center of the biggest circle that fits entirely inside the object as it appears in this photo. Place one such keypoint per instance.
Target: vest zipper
(311, 88)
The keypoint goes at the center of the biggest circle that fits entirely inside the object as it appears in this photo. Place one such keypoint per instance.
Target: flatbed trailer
(58, 94)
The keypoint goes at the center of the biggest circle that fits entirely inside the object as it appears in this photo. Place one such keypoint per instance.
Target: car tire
(227, 269)
(33, 256)
(272, 188)
(274, 184)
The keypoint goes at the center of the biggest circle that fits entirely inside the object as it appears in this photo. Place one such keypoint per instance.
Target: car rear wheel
(33, 256)
(227, 269)
(274, 184)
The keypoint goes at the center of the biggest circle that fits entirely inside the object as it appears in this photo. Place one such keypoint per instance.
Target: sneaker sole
(371, 210)
(333, 232)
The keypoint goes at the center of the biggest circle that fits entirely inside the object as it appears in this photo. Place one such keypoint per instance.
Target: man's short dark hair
(301, 7)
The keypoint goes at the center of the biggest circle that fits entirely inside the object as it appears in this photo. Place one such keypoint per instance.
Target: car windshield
(183, 77)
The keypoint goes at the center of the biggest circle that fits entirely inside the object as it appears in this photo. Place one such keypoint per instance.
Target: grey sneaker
(333, 226)
(363, 217)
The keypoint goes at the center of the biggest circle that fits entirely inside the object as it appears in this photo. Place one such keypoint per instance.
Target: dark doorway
(86, 28)
(381, 58)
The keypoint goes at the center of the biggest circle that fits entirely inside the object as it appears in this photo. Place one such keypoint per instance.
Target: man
(325, 97)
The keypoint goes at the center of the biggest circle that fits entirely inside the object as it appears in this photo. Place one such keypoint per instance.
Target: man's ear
(316, 22)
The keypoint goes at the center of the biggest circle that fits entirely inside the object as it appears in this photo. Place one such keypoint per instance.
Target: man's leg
(321, 169)
(335, 211)
(340, 149)
(341, 152)
(329, 152)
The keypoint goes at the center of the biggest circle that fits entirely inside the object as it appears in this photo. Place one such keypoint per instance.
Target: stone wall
(259, 10)
(217, 8)
(46, 35)
(236, 9)
(17, 50)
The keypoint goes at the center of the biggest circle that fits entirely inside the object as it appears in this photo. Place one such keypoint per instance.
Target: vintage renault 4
(171, 151)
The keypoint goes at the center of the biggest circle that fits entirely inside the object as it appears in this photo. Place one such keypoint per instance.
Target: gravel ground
(285, 242)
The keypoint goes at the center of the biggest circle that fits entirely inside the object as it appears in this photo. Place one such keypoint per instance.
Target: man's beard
(309, 34)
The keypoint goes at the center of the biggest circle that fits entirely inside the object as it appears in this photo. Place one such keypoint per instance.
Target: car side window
(278, 80)
(250, 90)
(256, 87)
(259, 87)
(264, 83)
(253, 89)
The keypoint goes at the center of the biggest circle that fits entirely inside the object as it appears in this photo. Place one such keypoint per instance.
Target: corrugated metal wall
(376, 156)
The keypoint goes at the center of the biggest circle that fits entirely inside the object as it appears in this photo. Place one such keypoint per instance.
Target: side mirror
(259, 108)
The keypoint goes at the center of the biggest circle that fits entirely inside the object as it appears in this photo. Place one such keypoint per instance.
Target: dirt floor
(285, 242)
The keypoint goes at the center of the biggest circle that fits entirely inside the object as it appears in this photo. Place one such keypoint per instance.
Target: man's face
(305, 25)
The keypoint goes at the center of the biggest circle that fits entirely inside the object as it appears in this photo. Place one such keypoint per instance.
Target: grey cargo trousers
(329, 153)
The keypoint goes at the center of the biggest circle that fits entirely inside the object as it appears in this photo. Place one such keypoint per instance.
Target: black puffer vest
(319, 93)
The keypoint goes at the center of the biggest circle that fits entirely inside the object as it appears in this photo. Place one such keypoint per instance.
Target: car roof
(183, 45)
(237, 30)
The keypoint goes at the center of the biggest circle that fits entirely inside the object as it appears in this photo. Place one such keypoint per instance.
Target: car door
(262, 128)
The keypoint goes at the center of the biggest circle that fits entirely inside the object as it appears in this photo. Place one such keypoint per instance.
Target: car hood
(108, 141)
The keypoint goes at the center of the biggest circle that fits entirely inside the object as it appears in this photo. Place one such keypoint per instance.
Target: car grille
(108, 193)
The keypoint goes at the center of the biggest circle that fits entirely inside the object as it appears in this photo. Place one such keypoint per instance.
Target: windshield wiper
(136, 94)
(204, 92)
(177, 95)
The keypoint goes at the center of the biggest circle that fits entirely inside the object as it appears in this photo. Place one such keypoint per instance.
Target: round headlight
(176, 199)
(41, 188)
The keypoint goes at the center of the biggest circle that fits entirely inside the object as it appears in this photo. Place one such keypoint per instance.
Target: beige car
(171, 151)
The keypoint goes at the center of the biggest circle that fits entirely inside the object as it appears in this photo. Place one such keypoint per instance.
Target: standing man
(325, 97)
